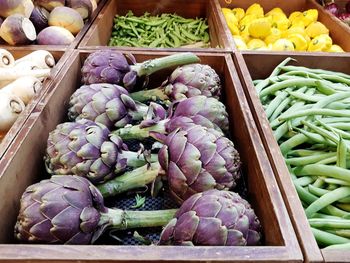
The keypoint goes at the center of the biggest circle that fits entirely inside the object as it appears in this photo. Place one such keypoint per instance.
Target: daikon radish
(40, 58)
(25, 88)
(6, 59)
(10, 108)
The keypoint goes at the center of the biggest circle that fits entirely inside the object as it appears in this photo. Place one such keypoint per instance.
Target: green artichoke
(204, 111)
(110, 66)
(70, 210)
(213, 218)
(88, 149)
(193, 158)
(105, 103)
(185, 82)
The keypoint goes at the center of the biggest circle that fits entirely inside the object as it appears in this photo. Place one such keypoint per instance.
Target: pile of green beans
(309, 113)
(166, 31)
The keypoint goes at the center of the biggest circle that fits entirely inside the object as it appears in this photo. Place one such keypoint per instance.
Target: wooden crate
(73, 45)
(100, 32)
(60, 57)
(280, 242)
(338, 31)
(256, 66)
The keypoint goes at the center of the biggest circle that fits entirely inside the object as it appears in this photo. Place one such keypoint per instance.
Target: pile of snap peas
(309, 113)
(166, 30)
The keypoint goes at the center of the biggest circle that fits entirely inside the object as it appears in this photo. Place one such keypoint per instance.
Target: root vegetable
(11, 7)
(55, 35)
(13, 74)
(25, 88)
(50, 4)
(67, 18)
(42, 59)
(17, 30)
(83, 7)
(6, 59)
(40, 18)
(10, 108)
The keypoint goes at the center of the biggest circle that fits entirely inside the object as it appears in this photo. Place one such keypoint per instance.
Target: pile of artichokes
(89, 160)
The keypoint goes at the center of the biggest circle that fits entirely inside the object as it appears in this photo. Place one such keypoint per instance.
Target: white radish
(25, 88)
(6, 59)
(40, 58)
(10, 108)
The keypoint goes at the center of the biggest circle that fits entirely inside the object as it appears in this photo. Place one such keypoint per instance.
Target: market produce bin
(73, 45)
(254, 65)
(60, 56)
(100, 32)
(337, 30)
(279, 243)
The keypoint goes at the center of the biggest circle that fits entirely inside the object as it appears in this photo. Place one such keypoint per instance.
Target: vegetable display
(20, 81)
(252, 29)
(183, 153)
(165, 30)
(308, 111)
(43, 22)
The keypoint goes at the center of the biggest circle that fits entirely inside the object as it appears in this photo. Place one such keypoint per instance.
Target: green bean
(339, 246)
(298, 82)
(334, 130)
(323, 170)
(280, 109)
(303, 96)
(308, 159)
(274, 73)
(341, 153)
(345, 207)
(319, 182)
(302, 74)
(309, 198)
(329, 99)
(304, 153)
(317, 191)
(329, 160)
(325, 238)
(332, 187)
(326, 134)
(325, 87)
(329, 223)
(320, 215)
(316, 71)
(315, 137)
(335, 78)
(296, 140)
(304, 181)
(341, 126)
(336, 181)
(335, 119)
(308, 112)
(275, 123)
(275, 103)
(327, 199)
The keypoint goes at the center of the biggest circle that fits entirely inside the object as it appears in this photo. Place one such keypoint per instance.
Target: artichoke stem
(153, 65)
(149, 95)
(122, 219)
(137, 133)
(130, 180)
(135, 159)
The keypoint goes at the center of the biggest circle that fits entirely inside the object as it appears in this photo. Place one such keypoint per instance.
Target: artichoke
(70, 210)
(110, 66)
(193, 158)
(87, 149)
(213, 218)
(105, 103)
(207, 112)
(185, 82)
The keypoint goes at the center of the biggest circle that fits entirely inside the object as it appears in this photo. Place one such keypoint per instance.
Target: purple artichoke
(207, 112)
(105, 103)
(213, 218)
(193, 158)
(196, 159)
(185, 82)
(87, 149)
(70, 210)
(110, 66)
